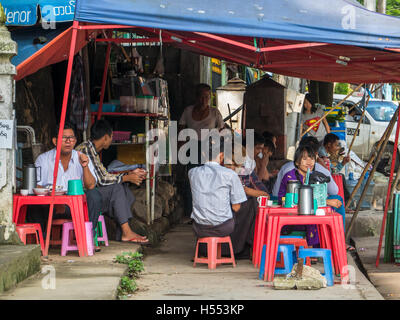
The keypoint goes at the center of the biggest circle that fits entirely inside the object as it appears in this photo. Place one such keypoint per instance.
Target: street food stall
(301, 39)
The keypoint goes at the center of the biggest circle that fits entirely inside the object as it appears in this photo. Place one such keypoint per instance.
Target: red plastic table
(79, 213)
(259, 232)
(332, 234)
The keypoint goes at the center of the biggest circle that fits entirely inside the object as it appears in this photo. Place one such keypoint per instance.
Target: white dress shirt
(46, 161)
(214, 189)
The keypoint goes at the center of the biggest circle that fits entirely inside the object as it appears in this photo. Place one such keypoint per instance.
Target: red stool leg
(232, 255)
(212, 253)
(196, 254)
(256, 238)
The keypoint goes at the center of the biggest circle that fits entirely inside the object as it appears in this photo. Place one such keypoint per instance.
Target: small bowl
(24, 192)
(40, 191)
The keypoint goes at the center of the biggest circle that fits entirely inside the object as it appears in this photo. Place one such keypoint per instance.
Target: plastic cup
(289, 200)
(75, 188)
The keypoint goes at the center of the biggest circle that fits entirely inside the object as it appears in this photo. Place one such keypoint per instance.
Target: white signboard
(6, 134)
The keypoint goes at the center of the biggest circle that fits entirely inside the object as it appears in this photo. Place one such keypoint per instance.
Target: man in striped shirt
(117, 197)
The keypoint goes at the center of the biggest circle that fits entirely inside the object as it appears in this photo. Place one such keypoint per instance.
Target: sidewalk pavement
(386, 277)
(76, 278)
(169, 275)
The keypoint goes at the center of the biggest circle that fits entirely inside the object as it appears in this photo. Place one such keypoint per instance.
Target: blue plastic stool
(287, 250)
(326, 255)
(294, 252)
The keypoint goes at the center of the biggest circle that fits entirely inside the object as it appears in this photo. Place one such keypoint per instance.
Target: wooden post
(358, 125)
(371, 159)
(389, 131)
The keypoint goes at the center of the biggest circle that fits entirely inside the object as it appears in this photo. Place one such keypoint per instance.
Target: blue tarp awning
(32, 39)
(333, 21)
(30, 12)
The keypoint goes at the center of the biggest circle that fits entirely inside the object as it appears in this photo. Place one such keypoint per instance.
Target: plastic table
(332, 236)
(79, 213)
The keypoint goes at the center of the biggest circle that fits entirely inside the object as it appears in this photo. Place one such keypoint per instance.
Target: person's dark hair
(269, 145)
(99, 129)
(202, 87)
(311, 100)
(304, 150)
(67, 125)
(330, 138)
(258, 139)
(268, 135)
(310, 141)
(214, 149)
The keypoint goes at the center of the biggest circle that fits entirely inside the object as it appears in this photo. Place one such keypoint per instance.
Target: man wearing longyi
(73, 165)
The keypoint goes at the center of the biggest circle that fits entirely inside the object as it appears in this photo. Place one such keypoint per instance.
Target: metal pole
(148, 213)
(390, 128)
(60, 131)
(396, 142)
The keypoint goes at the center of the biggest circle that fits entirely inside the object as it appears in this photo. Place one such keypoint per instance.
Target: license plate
(351, 131)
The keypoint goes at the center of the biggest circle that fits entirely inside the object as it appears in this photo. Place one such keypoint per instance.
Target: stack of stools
(288, 249)
(214, 252)
(101, 232)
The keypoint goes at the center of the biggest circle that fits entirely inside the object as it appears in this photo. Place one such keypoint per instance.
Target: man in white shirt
(216, 192)
(73, 165)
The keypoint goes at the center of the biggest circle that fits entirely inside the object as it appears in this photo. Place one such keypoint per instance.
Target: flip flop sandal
(137, 240)
(350, 249)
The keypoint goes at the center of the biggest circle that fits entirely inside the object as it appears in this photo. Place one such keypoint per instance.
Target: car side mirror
(357, 118)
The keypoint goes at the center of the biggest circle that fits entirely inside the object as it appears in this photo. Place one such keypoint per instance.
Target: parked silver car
(377, 117)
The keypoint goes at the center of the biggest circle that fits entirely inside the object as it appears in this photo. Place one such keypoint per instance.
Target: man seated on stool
(216, 191)
(114, 189)
(73, 166)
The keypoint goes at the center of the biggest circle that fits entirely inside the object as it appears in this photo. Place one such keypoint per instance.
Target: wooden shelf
(127, 114)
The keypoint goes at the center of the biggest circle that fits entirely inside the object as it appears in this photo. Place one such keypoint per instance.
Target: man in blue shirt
(216, 192)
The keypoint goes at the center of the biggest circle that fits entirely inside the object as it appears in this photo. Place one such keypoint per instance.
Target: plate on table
(60, 192)
(41, 191)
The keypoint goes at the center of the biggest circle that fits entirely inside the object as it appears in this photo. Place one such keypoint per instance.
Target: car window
(348, 105)
(381, 111)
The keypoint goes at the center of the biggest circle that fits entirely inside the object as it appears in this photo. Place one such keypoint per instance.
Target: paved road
(169, 275)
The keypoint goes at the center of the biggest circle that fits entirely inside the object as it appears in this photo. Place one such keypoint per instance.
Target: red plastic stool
(56, 231)
(23, 231)
(38, 229)
(214, 252)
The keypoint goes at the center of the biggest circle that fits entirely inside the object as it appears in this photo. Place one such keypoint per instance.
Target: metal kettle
(30, 177)
(293, 186)
(306, 200)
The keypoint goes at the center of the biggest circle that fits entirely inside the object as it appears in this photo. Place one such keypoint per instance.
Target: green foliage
(342, 88)
(393, 7)
(135, 267)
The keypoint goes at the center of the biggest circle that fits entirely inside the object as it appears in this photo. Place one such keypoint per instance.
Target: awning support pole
(388, 195)
(60, 132)
(103, 84)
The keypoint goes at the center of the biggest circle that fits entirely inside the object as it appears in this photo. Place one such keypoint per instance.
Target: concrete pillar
(8, 48)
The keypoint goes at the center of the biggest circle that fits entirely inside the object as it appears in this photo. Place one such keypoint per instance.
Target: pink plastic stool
(67, 246)
(214, 252)
(104, 238)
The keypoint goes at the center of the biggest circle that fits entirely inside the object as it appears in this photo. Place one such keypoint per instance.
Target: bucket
(75, 188)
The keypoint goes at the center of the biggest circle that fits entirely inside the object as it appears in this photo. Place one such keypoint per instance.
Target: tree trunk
(322, 92)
